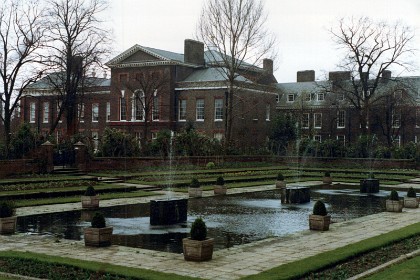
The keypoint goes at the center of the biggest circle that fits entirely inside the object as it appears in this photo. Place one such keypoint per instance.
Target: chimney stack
(339, 76)
(305, 76)
(268, 66)
(386, 74)
(193, 52)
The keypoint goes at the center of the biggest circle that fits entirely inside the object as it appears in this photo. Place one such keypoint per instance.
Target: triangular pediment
(138, 57)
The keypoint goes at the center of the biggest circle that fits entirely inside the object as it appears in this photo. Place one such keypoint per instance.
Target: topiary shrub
(90, 191)
(198, 230)
(6, 209)
(411, 192)
(220, 181)
(394, 195)
(319, 208)
(210, 165)
(98, 220)
(327, 174)
(194, 183)
(280, 177)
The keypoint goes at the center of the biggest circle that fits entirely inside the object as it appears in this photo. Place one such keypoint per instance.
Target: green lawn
(407, 270)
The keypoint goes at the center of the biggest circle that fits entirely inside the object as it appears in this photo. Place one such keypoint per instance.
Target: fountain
(171, 210)
(369, 185)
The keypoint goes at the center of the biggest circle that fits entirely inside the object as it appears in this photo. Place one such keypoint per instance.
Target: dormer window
(290, 98)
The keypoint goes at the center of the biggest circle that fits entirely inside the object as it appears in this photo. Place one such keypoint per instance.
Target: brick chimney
(193, 52)
(339, 75)
(268, 65)
(305, 76)
(386, 74)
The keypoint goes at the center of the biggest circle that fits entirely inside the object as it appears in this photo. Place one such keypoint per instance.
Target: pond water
(231, 220)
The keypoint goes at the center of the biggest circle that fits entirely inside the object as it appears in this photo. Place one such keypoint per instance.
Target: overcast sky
(301, 27)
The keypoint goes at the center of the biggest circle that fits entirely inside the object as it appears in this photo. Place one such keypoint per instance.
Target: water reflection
(231, 220)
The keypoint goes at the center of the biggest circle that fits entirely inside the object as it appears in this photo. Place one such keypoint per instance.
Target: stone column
(80, 156)
(47, 157)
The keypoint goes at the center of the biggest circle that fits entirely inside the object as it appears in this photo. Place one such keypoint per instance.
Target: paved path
(232, 263)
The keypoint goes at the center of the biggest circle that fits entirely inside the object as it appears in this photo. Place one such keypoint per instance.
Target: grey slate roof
(46, 84)
(211, 75)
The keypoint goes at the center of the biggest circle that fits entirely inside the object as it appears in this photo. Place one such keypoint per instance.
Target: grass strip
(328, 259)
(44, 262)
(71, 199)
(407, 270)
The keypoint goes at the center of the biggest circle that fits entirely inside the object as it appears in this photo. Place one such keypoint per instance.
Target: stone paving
(232, 263)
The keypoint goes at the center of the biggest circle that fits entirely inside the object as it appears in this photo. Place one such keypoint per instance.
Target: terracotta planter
(90, 202)
(394, 205)
(280, 184)
(220, 189)
(411, 202)
(327, 180)
(317, 222)
(8, 225)
(98, 237)
(197, 251)
(195, 192)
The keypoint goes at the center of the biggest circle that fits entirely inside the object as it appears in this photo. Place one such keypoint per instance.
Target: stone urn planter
(99, 235)
(7, 218)
(319, 220)
(198, 247)
(90, 200)
(280, 183)
(393, 204)
(194, 190)
(327, 180)
(220, 187)
(411, 201)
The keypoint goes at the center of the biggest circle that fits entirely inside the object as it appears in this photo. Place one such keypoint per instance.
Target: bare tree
(370, 50)
(149, 89)
(77, 44)
(21, 36)
(234, 31)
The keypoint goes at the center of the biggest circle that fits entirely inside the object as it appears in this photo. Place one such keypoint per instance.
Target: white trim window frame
(290, 98)
(199, 109)
(32, 112)
(46, 112)
(305, 120)
(218, 109)
(155, 107)
(318, 120)
(95, 112)
(108, 111)
(341, 119)
(267, 112)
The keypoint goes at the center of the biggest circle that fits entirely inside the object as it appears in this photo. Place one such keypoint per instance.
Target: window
(108, 111)
(341, 117)
(156, 108)
(308, 97)
(396, 140)
(398, 94)
(182, 111)
(138, 113)
(218, 109)
(32, 109)
(95, 112)
(154, 135)
(46, 112)
(341, 139)
(317, 120)
(290, 98)
(317, 138)
(305, 120)
(199, 109)
(277, 98)
(59, 103)
(396, 119)
(81, 112)
(218, 136)
(267, 112)
(123, 109)
(320, 96)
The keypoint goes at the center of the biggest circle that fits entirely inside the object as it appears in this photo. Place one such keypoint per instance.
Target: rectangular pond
(231, 219)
